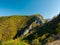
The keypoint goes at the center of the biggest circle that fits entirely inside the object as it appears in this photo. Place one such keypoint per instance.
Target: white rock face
(27, 30)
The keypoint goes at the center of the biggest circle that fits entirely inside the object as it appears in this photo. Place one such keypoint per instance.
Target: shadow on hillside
(49, 27)
(20, 32)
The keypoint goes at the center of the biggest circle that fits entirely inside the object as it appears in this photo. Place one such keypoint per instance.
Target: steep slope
(45, 33)
(36, 20)
(13, 26)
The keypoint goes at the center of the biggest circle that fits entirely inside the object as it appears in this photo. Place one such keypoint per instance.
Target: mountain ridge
(33, 30)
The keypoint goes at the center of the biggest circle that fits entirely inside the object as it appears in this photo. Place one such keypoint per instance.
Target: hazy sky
(47, 8)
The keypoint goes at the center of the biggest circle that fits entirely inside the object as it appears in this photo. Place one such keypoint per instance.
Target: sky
(47, 8)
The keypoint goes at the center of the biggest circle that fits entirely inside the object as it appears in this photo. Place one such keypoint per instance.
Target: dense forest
(29, 30)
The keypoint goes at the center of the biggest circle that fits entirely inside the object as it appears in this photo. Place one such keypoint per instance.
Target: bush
(15, 42)
(35, 42)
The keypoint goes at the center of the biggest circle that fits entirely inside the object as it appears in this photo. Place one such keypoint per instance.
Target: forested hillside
(49, 32)
(40, 32)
